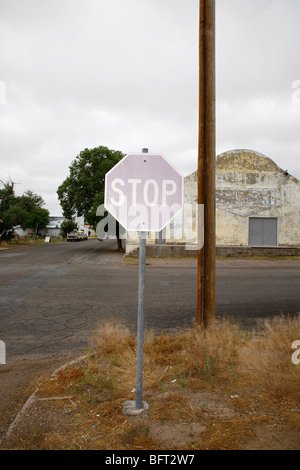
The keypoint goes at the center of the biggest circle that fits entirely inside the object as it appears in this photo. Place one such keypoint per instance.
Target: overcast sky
(77, 74)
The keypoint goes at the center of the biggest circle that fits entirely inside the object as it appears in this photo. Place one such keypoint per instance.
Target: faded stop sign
(143, 192)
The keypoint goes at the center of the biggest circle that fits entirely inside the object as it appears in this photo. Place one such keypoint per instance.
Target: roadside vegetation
(220, 388)
(83, 190)
(30, 241)
(25, 211)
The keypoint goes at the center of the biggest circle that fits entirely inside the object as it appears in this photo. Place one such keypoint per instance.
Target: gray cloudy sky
(77, 74)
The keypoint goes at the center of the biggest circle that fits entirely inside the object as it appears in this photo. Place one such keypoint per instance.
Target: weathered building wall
(249, 184)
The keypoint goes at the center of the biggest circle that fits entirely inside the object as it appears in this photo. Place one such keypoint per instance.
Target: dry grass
(267, 362)
(222, 388)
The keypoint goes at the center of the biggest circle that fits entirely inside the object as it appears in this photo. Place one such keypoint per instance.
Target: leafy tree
(83, 190)
(66, 227)
(36, 219)
(8, 214)
(25, 210)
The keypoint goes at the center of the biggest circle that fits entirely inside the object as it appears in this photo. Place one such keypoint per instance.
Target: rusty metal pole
(206, 164)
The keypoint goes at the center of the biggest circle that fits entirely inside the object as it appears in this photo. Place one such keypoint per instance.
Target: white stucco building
(257, 202)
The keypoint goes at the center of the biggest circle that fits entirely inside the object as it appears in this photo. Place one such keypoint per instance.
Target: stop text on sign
(143, 192)
(152, 192)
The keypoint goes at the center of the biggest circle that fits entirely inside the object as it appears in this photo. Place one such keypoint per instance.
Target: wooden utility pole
(206, 165)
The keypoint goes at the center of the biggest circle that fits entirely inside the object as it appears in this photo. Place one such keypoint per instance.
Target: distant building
(51, 230)
(257, 203)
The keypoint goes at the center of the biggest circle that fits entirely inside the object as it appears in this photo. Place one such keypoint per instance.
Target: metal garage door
(262, 231)
(160, 237)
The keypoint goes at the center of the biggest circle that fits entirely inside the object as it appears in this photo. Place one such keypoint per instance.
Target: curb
(32, 399)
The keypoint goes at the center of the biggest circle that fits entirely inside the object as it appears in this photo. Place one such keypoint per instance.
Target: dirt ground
(18, 382)
(177, 418)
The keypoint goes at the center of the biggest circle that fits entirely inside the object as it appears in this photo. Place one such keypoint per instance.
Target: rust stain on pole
(206, 163)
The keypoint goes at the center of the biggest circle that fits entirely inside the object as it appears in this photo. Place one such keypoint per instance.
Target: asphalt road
(53, 296)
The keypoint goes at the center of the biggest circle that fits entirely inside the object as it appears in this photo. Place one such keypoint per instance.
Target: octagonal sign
(143, 192)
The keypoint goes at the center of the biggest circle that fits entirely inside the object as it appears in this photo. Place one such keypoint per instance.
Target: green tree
(66, 227)
(8, 213)
(34, 216)
(25, 210)
(83, 190)
(36, 219)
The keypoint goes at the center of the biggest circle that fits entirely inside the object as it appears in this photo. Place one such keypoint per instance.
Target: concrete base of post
(130, 409)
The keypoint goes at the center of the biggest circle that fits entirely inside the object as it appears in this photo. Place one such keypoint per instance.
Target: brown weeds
(266, 360)
(222, 357)
(219, 388)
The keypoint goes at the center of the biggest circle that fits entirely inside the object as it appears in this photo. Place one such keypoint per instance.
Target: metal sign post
(140, 320)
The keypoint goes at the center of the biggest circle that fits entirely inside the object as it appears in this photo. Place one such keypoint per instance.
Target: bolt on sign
(143, 192)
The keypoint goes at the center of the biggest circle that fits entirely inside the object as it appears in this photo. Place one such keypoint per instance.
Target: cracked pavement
(53, 296)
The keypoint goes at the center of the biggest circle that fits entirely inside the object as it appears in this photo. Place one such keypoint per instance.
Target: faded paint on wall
(249, 184)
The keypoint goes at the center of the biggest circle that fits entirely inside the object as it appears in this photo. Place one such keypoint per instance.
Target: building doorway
(160, 237)
(262, 231)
